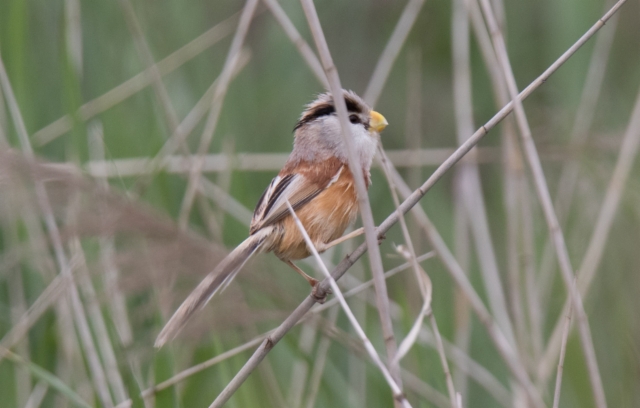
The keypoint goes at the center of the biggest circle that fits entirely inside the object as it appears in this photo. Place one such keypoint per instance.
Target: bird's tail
(216, 280)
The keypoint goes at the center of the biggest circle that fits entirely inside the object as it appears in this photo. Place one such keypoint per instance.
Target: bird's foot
(318, 294)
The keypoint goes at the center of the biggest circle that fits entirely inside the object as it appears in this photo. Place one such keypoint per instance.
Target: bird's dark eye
(354, 119)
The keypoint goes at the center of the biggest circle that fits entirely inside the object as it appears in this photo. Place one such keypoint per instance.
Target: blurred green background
(62, 54)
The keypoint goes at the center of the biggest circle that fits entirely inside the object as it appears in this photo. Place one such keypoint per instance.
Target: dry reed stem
(563, 349)
(44, 375)
(415, 384)
(545, 199)
(218, 162)
(98, 324)
(470, 367)
(226, 201)
(170, 116)
(426, 289)
(17, 305)
(371, 238)
(461, 88)
(445, 366)
(301, 45)
(361, 286)
(300, 366)
(73, 35)
(410, 202)
(462, 312)
(514, 178)
(63, 263)
(116, 299)
(37, 395)
(184, 129)
(472, 195)
(4, 127)
(595, 250)
(230, 353)
(216, 107)
(392, 50)
(138, 82)
(395, 388)
(224, 182)
(413, 115)
(579, 135)
(424, 389)
(422, 279)
(409, 254)
(500, 341)
(357, 369)
(319, 362)
(532, 291)
(49, 295)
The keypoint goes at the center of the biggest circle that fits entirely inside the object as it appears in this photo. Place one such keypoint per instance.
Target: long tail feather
(216, 280)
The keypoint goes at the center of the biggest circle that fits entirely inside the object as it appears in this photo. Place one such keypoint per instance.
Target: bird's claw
(320, 295)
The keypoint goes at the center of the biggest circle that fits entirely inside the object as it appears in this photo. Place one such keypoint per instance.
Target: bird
(317, 182)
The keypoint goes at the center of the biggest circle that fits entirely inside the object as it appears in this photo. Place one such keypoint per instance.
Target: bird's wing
(298, 188)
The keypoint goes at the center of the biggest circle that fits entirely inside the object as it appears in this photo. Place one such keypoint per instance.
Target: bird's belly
(325, 218)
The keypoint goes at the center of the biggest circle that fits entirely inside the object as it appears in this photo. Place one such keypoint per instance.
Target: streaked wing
(297, 188)
(277, 185)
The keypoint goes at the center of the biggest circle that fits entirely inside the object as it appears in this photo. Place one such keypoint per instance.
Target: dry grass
(109, 266)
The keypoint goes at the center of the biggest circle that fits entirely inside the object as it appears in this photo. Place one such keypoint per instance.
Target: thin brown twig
(357, 377)
(563, 349)
(395, 388)
(415, 384)
(63, 263)
(136, 83)
(371, 238)
(392, 50)
(542, 190)
(514, 178)
(579, 134)
(163, 159)
(532, 289)
(472, 195)
(230, 353)
(297, 40)
(111, 278)
(422, 279)
(300, 366)
(472, 368)
(216, 107)
(595, 250)
(18, 306)
(37, 395)
(277, 334)
(98, 324)
(142, 47)
(243, 161)
(426, 289)
(500, 341)
(461, 71)
(319, 362)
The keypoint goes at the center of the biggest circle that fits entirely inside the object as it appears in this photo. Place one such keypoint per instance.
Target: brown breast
(325, 218)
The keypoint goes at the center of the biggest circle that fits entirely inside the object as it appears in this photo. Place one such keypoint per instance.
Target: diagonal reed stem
(366, 214)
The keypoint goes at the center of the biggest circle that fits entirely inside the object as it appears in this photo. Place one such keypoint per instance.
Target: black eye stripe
(326, 108)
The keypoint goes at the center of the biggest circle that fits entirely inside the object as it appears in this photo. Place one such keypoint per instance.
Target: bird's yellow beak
(377, 121)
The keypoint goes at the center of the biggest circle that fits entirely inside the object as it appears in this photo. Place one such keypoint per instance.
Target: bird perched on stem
(318, 183)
